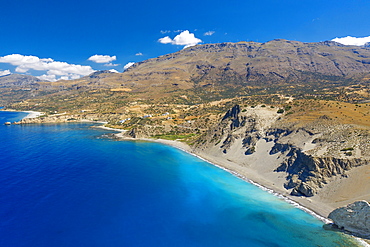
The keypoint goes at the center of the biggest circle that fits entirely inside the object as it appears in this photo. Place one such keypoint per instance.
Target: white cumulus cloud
(128, 65)
(5, 72)
(47, 77)
(349, 40)
(113, 70)
(184, 38)
(209, 33)
(139, 54)
(165, 40)
(54, 69)
(102, 58)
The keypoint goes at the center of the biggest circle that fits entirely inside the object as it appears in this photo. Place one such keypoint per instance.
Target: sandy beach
(312, 205)
(249, 174)
(33, 114)
(242, 172)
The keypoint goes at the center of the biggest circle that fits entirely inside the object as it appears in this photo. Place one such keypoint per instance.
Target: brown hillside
(212, 72)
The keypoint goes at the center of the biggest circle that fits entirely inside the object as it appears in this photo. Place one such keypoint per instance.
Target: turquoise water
(70, 185)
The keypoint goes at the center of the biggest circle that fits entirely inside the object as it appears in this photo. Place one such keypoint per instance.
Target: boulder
(354, 218)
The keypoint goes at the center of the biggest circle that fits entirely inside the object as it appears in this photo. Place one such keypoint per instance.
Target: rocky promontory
(354, 218)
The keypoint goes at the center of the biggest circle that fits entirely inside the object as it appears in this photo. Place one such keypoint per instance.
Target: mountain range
(216, 71)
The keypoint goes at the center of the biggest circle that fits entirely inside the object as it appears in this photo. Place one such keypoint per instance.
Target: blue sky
(61, 36)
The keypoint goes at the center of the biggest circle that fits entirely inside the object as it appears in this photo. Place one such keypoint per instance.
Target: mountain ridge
(12, 80)
(260, 60)
(211, 72)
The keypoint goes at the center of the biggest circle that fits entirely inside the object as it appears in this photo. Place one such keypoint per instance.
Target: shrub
(280, 111)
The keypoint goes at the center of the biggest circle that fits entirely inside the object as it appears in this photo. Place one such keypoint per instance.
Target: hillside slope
(15, 80)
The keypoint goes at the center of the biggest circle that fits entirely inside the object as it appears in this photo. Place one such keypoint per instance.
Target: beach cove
(249, 174)
(315, 207)
(85, 188)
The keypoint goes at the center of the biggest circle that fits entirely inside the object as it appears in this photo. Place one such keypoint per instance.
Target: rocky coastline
(353, 218)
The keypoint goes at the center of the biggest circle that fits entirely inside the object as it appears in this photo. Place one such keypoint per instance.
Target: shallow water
(70, 185)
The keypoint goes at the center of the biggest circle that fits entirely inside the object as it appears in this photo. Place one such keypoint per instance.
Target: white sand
(33, 114)
(108, 128)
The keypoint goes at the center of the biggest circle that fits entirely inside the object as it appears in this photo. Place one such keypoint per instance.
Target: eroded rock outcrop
(309, 157)
(307, 174)
(354, 218)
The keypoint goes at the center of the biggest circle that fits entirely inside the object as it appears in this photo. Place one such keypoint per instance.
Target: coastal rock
(354, 218)
(305, 189)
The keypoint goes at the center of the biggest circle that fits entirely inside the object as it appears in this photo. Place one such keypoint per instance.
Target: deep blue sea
(69, 185)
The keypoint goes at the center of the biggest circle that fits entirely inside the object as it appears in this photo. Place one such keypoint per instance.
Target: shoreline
(186, 148)
(274, 191)
(296, 202)
(33, 114)
(32, 118)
